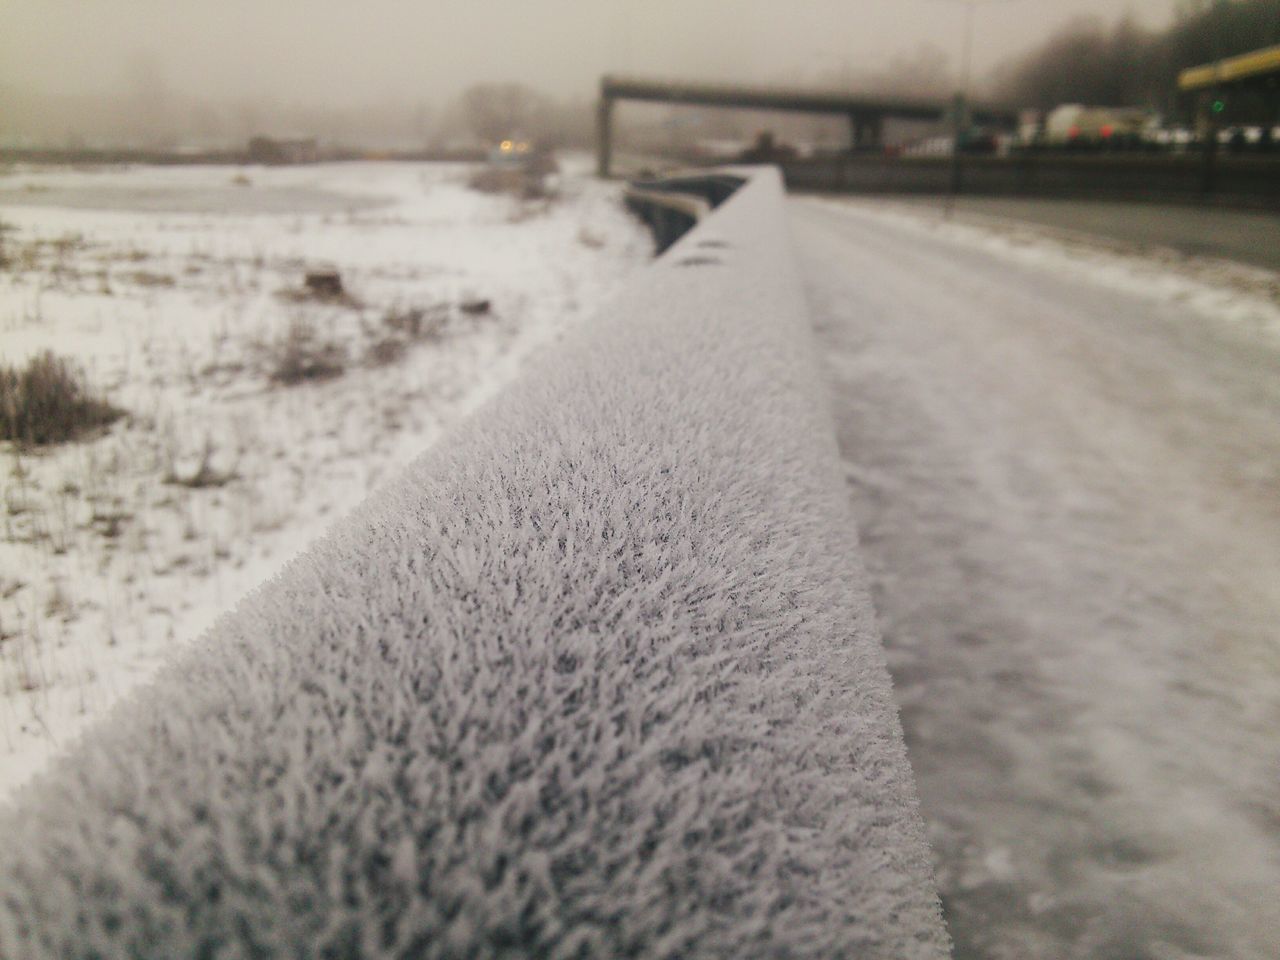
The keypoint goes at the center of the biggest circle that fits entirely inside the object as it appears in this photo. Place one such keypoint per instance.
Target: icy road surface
(1065, 469)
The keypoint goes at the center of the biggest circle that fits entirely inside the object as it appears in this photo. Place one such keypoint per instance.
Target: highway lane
(1246, 236)
(1069, 502)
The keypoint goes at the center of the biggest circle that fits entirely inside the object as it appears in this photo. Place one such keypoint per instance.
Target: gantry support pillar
(866, 131)
(604, 136)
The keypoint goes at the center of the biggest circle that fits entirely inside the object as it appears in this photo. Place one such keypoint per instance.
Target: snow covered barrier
(597, 677)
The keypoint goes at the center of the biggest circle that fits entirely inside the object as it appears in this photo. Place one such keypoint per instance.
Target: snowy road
(1069, 499)
(1248, 236)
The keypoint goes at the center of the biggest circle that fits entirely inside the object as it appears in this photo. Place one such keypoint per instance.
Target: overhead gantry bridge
(866, 113)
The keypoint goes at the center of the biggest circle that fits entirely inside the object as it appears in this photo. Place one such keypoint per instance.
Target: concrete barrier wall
(1238, 181)
(597, 677)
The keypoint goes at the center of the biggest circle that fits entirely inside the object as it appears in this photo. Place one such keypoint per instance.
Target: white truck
(1074, 124)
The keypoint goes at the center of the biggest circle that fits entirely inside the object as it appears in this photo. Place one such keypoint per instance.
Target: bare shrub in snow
(326, 284)
(493, 179)
(47, 401)
(417, 323)
(302, 355)
(404, 326)
(529, 180)
(321, 287)
(386, 351)
(205, 474)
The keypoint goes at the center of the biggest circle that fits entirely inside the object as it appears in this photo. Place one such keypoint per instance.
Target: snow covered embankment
(599, 676)
(257, 411)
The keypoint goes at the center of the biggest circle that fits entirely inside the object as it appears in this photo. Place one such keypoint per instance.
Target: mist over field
(389, 72)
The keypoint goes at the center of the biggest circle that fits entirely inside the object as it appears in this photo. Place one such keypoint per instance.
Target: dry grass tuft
(150, 278)
(47, 402)
(4, 258)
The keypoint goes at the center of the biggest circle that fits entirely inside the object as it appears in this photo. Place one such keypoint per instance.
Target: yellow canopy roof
(1257, 63)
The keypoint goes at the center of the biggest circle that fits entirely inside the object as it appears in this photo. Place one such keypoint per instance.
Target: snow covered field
(257, 413)
(1065, 461)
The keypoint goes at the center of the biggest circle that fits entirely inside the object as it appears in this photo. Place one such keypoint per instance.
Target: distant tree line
(1127, 65)
(491, 112)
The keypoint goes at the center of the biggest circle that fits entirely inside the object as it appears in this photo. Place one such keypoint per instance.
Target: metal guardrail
(1243, 182)
(672, 206)
(669, 216)
(714, 188)
(597, 677)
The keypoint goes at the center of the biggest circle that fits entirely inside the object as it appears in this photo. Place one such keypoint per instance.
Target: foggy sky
(348, 52)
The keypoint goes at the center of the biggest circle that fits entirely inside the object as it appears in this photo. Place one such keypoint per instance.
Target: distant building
(283, 150)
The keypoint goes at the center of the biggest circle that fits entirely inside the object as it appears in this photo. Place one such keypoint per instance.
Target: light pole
(1212, 107)
(960, 106)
